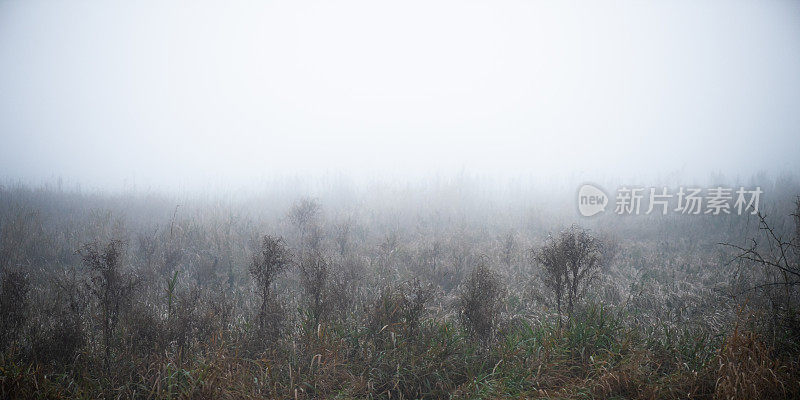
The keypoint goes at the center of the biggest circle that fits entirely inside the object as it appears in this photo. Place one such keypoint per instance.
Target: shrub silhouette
(779, 260)
(569, 262)
(108, 286)
(303, 216)
(272, 259)
(372, 327)
(480, 302)
(314, 280)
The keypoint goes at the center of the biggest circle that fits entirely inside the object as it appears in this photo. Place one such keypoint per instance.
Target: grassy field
(389, 295)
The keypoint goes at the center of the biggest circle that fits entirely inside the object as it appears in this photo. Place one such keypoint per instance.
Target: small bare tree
(569, 262)
(108, 285)
(272, 259)
(779, 259)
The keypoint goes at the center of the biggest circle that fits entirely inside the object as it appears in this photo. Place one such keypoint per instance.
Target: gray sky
(189, 93)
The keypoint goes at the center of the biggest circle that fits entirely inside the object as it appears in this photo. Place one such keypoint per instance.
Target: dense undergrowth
(145, 300)
(592, 357)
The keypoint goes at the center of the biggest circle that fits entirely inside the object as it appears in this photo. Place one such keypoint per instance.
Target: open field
(418, 199)
(408, 293)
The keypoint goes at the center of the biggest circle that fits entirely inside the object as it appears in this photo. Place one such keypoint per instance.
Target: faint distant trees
(342, 236)
(272, 259)
(569, 262)
(303, 213)
(509, 247)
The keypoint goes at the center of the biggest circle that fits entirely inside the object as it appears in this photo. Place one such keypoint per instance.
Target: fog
(205, 94)
(436, 199)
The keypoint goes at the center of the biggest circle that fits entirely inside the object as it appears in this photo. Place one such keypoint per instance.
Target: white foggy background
(201, 94)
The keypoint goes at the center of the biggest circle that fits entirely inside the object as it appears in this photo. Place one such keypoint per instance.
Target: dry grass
(748, 370)
(385, 305)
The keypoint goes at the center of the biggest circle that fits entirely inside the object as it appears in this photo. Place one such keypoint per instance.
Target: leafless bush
(480, 302)
(779, 259)
(272, 259)
(569, 263)
(315, 280)
(381, 298)
(328, 287)
(109, 286)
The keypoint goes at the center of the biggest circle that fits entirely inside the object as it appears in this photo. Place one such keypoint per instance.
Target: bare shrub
(314, 280)
(370, 330)
(480, 302)
(779, 260)
(569, 263)
(328, 287)
(272, 259)
(109, 286)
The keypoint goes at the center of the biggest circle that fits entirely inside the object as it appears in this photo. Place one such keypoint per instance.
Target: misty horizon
(155, 95)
